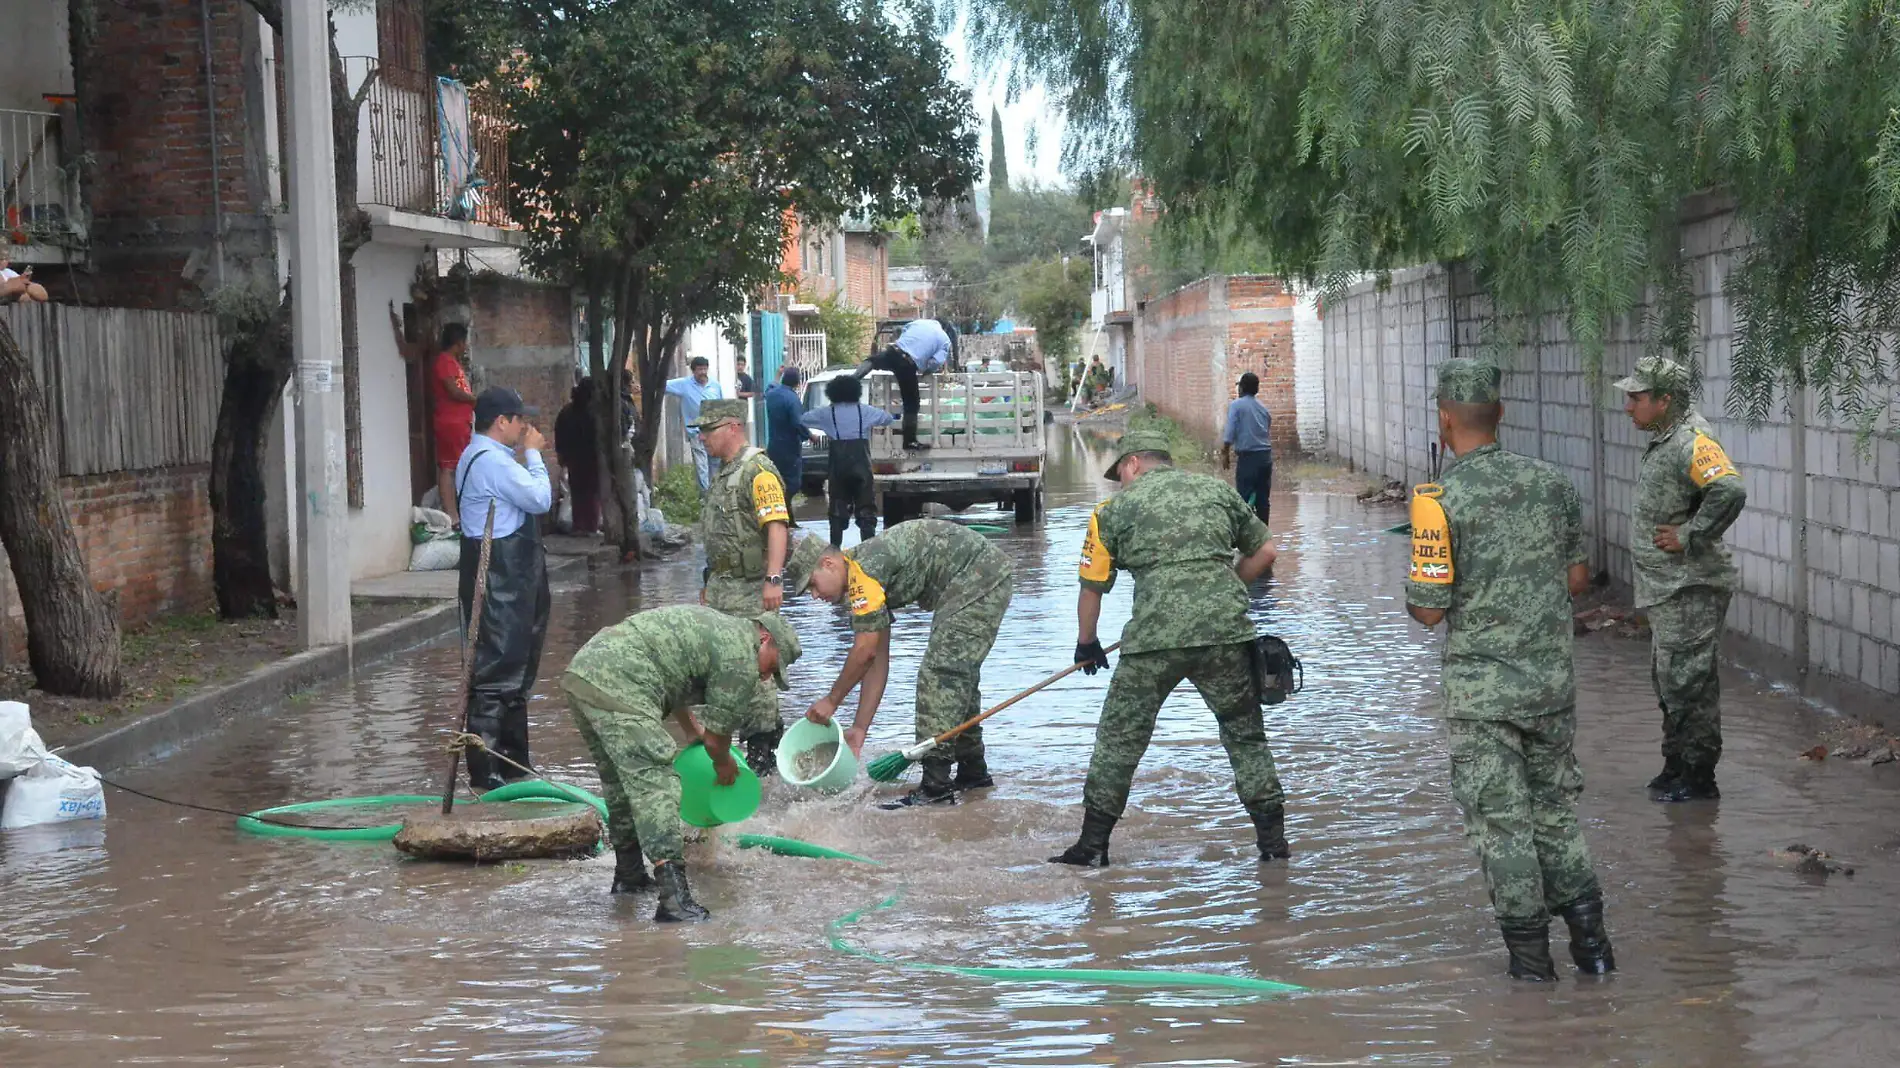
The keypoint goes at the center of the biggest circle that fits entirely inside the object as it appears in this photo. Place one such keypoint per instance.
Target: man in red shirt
(453, 408)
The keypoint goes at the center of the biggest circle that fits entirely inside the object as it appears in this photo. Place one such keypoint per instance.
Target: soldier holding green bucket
(621, 686)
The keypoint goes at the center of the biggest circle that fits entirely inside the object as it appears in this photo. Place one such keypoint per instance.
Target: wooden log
(515, 832)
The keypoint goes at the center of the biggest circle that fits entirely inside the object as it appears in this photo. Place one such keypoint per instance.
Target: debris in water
(1393, 492)
(812, 762)
(1819, 752)
(1812, 863)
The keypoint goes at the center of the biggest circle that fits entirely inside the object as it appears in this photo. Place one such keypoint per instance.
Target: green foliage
(999, 155)
(847, 330)
(1550, 144)
(978, 281)
(659, 147)
(1054, 297)
(676, 494)
(1182, 445)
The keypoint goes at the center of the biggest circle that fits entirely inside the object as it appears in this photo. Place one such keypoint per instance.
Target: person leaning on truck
(925, 347)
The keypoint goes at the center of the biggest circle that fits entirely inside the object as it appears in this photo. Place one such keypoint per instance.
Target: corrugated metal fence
(126, 389)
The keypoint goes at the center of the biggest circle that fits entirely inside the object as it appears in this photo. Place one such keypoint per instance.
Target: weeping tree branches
(1549, 143)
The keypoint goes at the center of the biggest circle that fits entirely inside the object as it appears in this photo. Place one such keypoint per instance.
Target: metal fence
(806, 352)
(37, 193)
(126, 390)
(405, 167)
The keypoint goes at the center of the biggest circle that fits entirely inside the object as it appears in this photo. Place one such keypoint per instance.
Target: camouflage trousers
(1224, 676)
(949, 682)
(1518, 782)
(1685, 633)
(634, 753)
(737, 596)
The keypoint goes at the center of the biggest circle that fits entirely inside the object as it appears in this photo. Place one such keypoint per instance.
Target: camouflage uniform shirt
(934, 564)
(675, 657)
(1686, 480)
(1176, 532)
(743, 499)
(1491, 542)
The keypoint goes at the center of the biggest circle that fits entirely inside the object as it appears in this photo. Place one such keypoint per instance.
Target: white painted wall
(35, 56)
(1309, 371)
(379, 533)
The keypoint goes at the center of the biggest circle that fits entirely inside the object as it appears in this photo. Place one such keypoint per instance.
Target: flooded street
(167, 937)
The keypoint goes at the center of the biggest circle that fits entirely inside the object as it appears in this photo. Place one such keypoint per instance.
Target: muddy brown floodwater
(166, 937)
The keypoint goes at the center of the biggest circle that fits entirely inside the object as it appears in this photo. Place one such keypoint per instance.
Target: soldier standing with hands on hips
(1176, 532)
(1497, 553)
(747, 534)
(1687, 495)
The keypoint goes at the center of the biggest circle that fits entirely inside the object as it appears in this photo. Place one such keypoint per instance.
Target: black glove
(1091, 656)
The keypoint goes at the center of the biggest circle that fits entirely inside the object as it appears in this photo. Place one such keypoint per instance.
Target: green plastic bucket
(705, 803)
(804, 736)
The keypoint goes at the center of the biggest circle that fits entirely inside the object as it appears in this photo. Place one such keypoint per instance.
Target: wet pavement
(166, 937)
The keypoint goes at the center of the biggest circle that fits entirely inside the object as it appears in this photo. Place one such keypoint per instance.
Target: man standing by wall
(501, 472)
(747, 531)
(1687, 495)
(694, 390)
(785, 429)
(1249, 433)
(452, 408)
(1497, 553)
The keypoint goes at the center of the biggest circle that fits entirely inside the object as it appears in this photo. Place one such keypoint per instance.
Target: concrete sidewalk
(563, 549)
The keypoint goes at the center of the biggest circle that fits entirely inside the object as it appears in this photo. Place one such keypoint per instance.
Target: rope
(212, 809)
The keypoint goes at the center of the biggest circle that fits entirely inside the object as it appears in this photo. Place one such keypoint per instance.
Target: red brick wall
(146, 534)
(867, 275)
(1246, 318)
(144, 122)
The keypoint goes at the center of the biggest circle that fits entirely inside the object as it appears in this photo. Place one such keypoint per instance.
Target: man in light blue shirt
(1249, 432)
(501, 473)
(692, 390)
(924, 347)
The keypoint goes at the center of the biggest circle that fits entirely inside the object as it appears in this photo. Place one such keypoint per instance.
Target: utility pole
(323, 596)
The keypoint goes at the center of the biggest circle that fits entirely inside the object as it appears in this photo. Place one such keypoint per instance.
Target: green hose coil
(261, 823)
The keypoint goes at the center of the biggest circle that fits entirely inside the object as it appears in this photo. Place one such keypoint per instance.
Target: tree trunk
(614, 468)
(621, 503)
(256, 369)
(72, 630)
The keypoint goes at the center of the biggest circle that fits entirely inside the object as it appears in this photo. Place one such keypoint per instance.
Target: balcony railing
(38, 195)
(806, 352)
(407, 162)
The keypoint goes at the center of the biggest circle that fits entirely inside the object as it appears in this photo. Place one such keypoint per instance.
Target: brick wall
(866, 274)
(521, 336)
(1829, 599)
(1196, 342)
(145, 123)
(146, 534)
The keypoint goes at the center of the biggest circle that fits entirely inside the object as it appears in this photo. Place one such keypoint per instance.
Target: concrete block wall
(144, 534)
(1816, 549)
(1309, 372)
(1195, 343)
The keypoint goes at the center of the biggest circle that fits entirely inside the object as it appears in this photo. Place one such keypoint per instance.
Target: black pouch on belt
(1277, 672)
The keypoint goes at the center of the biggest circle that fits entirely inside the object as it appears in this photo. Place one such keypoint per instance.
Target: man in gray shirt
(1249, 433)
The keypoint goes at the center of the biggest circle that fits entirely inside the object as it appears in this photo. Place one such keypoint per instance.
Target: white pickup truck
(984, 429)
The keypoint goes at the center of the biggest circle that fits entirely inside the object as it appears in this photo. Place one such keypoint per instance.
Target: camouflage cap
(1657, 374)
(786, 639)
(802, 561)
(1140, 439)
(714, 412)
(1467, 381)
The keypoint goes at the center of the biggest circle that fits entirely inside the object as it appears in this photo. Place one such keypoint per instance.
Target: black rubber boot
(1530, 951)
(1269, 829)
(1696, 784)
(483, 775)
(936, 789)
(1589, 941)
(1090, 850)
(837, 532)
(1671, 773)
(761, 752)
(630, 871)
(676, 899)
(973, 772)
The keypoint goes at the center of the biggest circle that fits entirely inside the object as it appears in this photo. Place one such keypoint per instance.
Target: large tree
(1549, 143)
(661, 147)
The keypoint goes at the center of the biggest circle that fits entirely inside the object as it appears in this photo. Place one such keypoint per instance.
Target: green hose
(1106, 976)
(543, 790)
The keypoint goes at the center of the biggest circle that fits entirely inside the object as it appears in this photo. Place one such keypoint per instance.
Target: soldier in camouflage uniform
(948, 570)
(1497, 553)
(1176, 532)
(1687, 495)
(622, 685)
(746, 525)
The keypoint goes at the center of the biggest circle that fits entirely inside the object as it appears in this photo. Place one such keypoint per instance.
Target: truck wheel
(896, 510)
(1028, 505)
